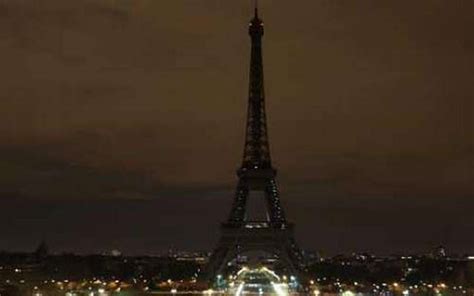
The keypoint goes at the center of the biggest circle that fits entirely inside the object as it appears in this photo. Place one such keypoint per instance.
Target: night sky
(122, 122)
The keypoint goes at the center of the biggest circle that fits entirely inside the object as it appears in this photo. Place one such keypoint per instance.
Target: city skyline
(130, 116)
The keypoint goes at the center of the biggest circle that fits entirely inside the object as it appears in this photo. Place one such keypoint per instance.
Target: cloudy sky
(122, 121)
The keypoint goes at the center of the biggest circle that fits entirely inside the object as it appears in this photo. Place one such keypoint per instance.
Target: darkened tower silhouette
(256, 175)
(256, 172)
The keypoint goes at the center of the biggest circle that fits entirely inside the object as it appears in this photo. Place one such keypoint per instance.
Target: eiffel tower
(239, 234)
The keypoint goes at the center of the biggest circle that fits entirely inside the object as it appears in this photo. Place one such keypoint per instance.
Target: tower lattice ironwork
(256, 174)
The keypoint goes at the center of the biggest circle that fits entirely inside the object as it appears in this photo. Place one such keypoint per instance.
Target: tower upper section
(257, 149)
(256, 26)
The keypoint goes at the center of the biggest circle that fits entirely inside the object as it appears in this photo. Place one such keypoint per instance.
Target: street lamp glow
(278, 290)
(348, 293)
(239, 289)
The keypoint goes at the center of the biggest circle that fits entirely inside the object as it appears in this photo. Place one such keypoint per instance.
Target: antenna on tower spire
(256, 8)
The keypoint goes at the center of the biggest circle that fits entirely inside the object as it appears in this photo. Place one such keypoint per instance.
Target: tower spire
(256, 172)
(256, 9)
(256, 149)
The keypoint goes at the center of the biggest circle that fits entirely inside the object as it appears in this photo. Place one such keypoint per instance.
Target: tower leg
(217, 262)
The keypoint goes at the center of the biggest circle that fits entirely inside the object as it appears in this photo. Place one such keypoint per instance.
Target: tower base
(255, 236)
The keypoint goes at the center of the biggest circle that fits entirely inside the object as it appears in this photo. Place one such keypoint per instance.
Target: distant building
(42, 251)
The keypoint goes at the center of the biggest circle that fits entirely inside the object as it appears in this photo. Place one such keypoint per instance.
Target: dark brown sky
(120, 101)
